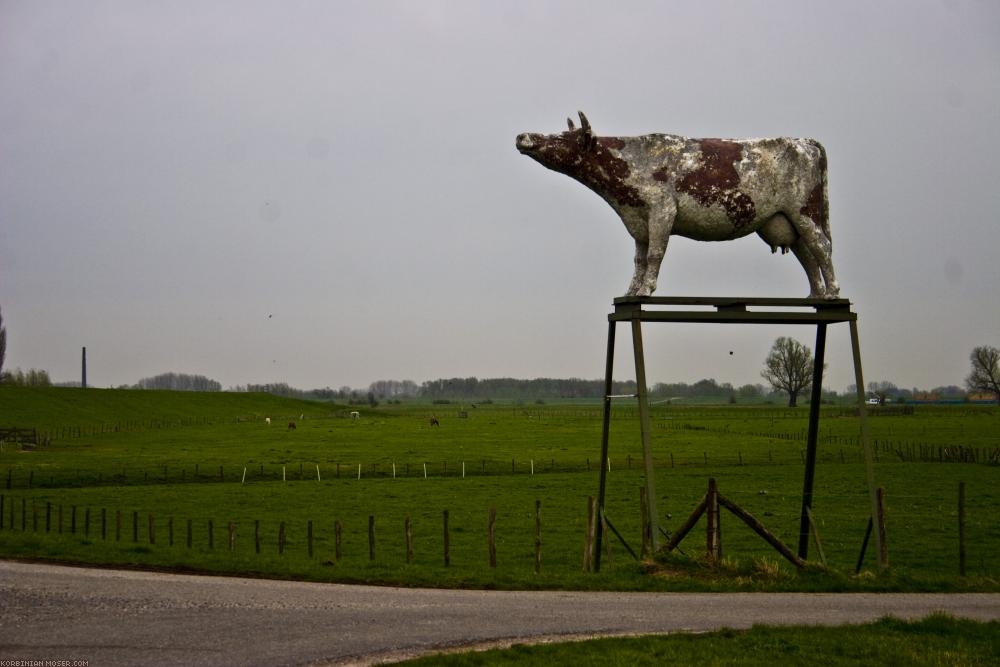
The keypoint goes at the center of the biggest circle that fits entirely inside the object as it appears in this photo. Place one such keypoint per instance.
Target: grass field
(162, 459)
(937, 640)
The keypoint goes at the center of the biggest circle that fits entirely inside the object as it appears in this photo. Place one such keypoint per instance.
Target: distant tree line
(887, 391)
(283, 389)
(179, 382)
(33, 377)
(472, 388)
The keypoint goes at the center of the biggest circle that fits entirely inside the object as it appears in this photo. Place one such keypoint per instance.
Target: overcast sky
(328, 193)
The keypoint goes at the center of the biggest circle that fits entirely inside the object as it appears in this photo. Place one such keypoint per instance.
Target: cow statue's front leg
(659, 225)
(639, 275)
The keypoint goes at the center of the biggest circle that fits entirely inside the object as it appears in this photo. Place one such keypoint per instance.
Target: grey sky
(328, 193)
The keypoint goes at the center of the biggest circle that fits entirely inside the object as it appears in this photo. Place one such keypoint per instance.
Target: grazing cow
(267, 420)
(355, 415)
(702, 189)
(291, 426)
(435, 422)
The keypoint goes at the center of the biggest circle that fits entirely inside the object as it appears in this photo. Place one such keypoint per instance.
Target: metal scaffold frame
(733, 310)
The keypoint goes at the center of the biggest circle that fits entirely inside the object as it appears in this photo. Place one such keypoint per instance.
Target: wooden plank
(815, 534)
(728, 300)
(688, 525)
(734, 317)
(621, 539)
(759, 528)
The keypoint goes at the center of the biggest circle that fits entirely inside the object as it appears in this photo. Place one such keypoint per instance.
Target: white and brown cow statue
(702, 189)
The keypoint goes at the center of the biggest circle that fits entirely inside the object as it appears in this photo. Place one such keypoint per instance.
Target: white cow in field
(355, 415)
(267, 420)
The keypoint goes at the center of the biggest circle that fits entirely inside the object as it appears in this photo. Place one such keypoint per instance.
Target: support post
(647, 450)
(859, 382)
(605, 432)
(733, 310)
(816, 398)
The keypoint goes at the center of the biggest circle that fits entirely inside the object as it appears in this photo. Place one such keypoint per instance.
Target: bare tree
(789, 368)
(985, 375)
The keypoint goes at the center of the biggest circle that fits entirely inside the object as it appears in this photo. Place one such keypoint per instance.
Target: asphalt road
(114, 617)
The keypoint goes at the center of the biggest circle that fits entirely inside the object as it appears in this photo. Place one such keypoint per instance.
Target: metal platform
(733, 310)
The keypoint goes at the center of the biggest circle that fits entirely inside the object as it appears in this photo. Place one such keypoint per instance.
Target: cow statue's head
(560, 152)
(589, 159)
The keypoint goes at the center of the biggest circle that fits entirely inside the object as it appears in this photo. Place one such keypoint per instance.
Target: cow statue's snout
(524, 142)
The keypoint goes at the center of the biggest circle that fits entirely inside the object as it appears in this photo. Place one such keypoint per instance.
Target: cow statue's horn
(569, 121)
(584, 123)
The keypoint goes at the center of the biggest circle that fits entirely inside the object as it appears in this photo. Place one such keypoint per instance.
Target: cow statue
(702, 189)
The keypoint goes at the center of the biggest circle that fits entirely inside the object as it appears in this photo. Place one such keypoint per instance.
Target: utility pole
(83, 380)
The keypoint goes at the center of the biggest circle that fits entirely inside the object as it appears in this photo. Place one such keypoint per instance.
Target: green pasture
(933, 641)
(166, 458)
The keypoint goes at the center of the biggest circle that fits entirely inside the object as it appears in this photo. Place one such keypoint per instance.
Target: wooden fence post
(408, 530)
(309, 537)
(371, 537)
(447, 546)
(48, 516)
(961, 528)
(713, 542)
(135, 526)
(256, 536)
(338, 531)
(170, 531)
(118, 525)
(189, 534)
(538, 536)
(281, 539)
(588, 542)
(211, 534)
(152, 529)
(490, 529)
(607, 533)
(884, 555)
(232, 536)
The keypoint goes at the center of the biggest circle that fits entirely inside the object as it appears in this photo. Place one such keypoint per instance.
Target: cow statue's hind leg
(814, 252)
(808, 262)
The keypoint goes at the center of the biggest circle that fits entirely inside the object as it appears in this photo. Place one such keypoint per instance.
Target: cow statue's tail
(824, 222)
